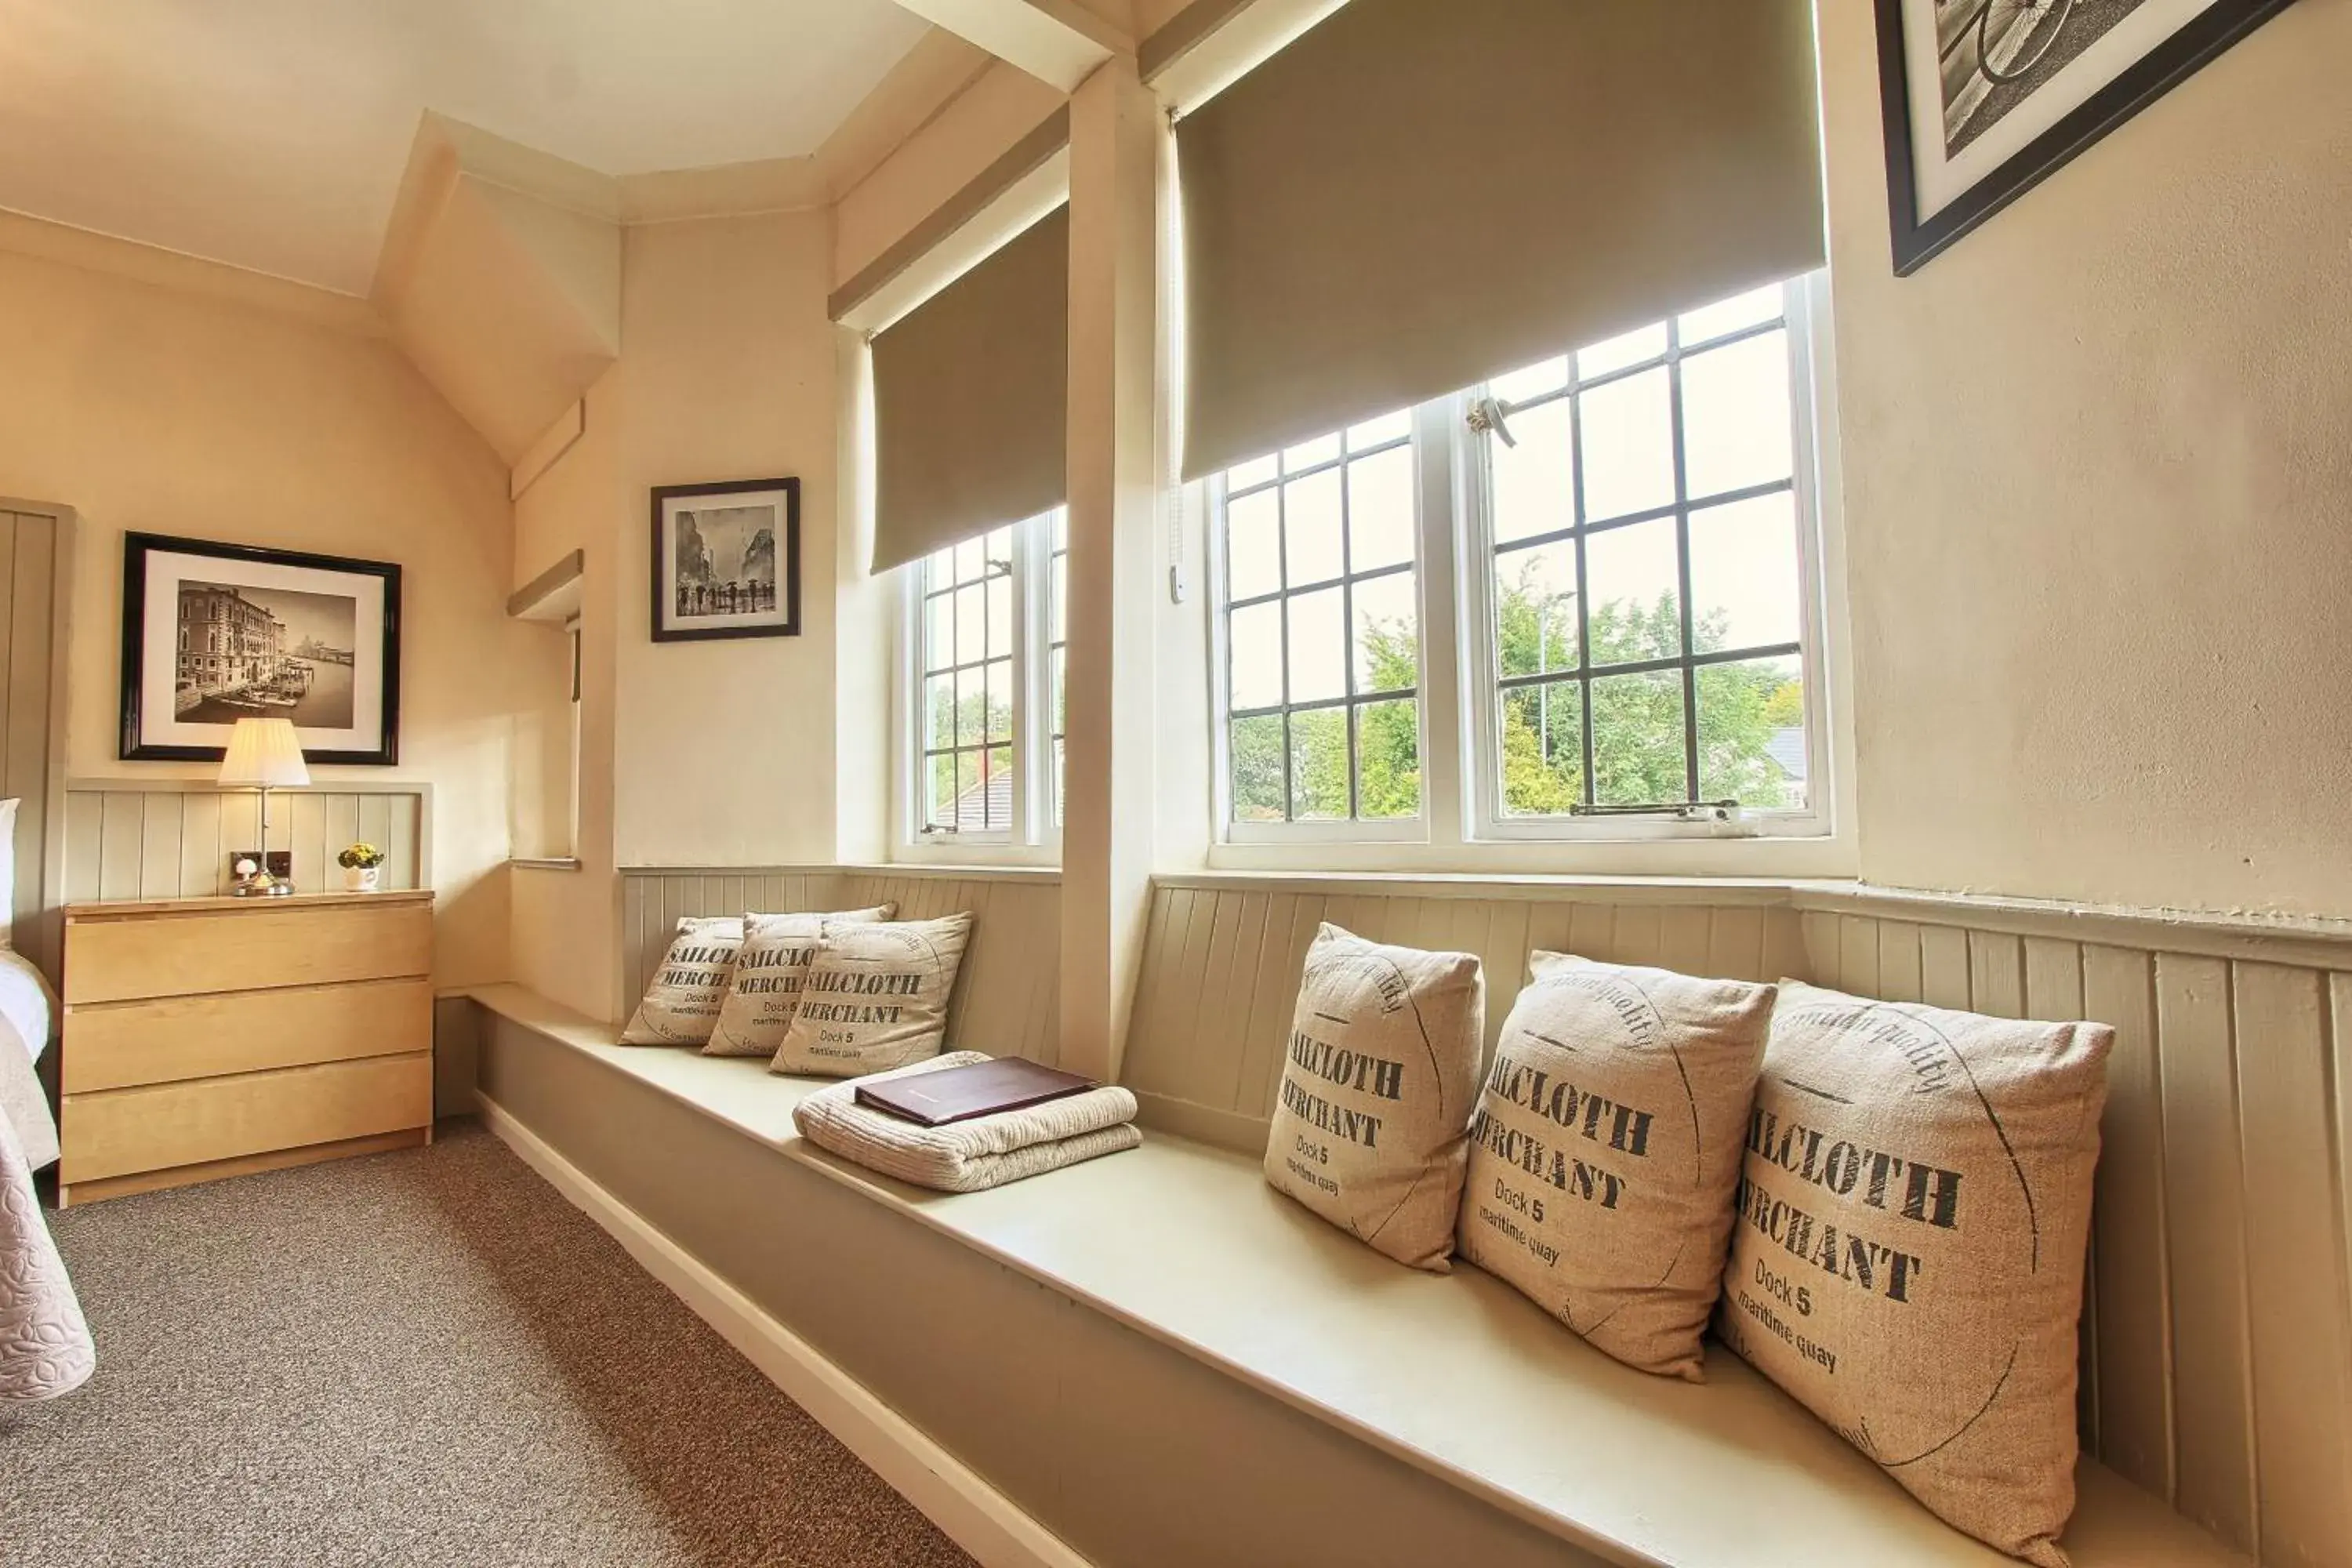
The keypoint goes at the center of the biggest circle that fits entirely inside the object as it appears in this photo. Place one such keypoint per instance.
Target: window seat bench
(1457, 1380)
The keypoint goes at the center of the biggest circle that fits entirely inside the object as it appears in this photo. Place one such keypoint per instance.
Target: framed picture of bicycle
(1983, 98)
(214, 633)
(727, 560)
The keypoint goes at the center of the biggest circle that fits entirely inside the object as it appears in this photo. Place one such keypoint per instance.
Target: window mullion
(1683, 560)
(1583, 599)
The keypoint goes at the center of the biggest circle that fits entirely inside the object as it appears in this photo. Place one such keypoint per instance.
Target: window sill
(543, 862)
(1829, 858)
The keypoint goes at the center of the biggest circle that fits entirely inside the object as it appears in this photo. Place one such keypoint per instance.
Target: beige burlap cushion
(876, 998)
(1907, 1259)
(769, 969)
(1606, 1146)
(1376, 1080)
(681, 1006)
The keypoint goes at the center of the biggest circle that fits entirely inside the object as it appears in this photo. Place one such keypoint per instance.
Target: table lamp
(264, 754)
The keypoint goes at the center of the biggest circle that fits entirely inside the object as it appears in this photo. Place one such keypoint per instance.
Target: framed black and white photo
(215, 633)
(1983, 98)
(727, 560)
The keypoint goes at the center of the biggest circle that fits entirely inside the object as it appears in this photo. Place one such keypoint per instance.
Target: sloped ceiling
(274, 134)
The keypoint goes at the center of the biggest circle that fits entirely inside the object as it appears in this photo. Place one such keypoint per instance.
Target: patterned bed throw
(45, 1345)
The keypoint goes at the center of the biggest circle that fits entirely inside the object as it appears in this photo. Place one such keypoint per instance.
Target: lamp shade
(264, 752)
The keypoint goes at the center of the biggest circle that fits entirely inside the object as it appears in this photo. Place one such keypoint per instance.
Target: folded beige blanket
(966, 1156)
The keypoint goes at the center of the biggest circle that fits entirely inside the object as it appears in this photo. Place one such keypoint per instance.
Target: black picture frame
(783, 620)
(137, 548)
(1919, 241)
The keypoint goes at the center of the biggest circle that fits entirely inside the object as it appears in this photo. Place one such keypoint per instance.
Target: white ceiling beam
(1059, 42)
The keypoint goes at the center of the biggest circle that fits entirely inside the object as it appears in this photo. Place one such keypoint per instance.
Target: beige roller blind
(971, 393)
(1416, 194)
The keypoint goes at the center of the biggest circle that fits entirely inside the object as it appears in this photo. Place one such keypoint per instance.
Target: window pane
(1388, 760)
(940, 709)
(1061, 527)
(1000, 699)
(1634, 577)
(1318, 646)
(1000, 616)
(1736, 417)
(1543, 749)
(1311, 526)
(938, 632)
(1752, 309)
(1535, 380)
(972, 705)
(1061, 702)
(971, 804)
(1631, 348)
(1380, 510)
(939, 569)
(971, 622)
(998, 795)
(1751, 733)
(1388, 634)
(1257, 768)
(1057, 605)
(1000, 547)
(1534, 609)
(1058, 797)
(1637, 740)
(939, 810)
(1307, 453)
(1254, 545)
(1318, 766)
(1255, 643)
(971, 560)
(1380, 432)
(1535, 481)
(1745, 585)
(1629, 446)
(1256, 472)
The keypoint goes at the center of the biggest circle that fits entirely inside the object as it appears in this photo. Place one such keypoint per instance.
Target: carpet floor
(419, 1358)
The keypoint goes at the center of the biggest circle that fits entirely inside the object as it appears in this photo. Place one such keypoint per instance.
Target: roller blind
(970, 390)
(1417, 194)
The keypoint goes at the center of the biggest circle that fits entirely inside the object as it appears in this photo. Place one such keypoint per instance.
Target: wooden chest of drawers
(209, 1038)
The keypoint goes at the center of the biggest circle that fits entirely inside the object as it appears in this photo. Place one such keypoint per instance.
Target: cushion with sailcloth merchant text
(1907, 1254)
(876, 998)
(765, 991)
(1376, 1080)
(681, 1006)
(1605, 1148)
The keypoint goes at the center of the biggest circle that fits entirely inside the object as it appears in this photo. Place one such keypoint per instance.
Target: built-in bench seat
(1459, 1378)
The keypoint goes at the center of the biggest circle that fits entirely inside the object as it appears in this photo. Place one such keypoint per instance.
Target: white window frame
(1481, 679)
(1461, 827)
(1377, 830)
(1031, 837)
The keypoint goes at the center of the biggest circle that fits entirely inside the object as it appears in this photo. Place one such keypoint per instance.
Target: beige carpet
(420, 1358)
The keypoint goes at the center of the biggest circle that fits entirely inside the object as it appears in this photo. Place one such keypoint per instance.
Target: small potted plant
(362, 864)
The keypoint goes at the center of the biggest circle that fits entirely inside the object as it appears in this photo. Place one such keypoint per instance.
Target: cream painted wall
(151, 409)
(2098, 470)
(566, 923)
(726, 753)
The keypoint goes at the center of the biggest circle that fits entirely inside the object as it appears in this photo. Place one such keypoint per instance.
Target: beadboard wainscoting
(1008, 990)
(2217, 1347)
(1223, 956)
(139, 838)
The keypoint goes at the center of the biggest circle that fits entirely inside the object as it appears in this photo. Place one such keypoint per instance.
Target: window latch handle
(1485, 415)
(1681, 811)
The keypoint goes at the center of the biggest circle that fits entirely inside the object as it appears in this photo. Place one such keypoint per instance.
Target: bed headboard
(36, 577)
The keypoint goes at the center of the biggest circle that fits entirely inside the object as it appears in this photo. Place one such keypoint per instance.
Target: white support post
(1115, 468)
